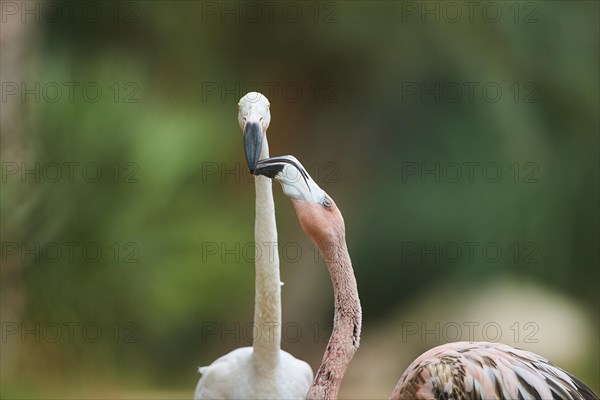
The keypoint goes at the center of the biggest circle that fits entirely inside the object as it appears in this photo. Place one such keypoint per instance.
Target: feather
(481, 370)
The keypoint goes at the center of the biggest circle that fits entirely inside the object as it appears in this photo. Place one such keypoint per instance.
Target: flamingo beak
(253, 136)
(295, 181)
(268, 168)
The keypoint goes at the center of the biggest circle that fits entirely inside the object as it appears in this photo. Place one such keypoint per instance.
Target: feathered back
(481, 370)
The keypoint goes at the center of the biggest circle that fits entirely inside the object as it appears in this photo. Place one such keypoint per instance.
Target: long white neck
(267, 306)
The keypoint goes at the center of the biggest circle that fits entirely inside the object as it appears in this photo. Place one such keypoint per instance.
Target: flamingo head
(317, 212)
(254, 118)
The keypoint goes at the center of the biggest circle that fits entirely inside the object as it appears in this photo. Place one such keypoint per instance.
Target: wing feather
(480, 370)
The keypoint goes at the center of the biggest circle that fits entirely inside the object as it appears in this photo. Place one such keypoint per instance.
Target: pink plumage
(481, 370)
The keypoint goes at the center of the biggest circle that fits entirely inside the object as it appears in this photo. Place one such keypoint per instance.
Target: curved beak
(253, 136)
(272, 166)
(295, 181)
(269, 167)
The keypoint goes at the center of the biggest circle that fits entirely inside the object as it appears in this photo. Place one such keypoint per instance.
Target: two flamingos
(462, 370)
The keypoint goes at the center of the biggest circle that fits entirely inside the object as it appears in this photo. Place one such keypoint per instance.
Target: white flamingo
(263, 371)
(462, 370)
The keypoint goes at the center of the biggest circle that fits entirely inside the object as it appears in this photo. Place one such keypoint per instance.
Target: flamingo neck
(267, 306)
(347, 322)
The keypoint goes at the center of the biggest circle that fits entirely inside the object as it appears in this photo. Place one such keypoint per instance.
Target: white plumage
(234, 376)
(263, 371)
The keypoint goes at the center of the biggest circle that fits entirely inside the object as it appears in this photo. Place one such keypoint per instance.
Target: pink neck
(345, 337)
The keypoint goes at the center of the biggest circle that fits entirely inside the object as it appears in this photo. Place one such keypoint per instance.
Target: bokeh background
(460, 142)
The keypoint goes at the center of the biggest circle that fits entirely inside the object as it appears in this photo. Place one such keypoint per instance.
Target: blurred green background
(460, 142)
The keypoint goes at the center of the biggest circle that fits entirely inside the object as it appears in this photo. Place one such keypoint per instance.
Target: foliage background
(358, 128)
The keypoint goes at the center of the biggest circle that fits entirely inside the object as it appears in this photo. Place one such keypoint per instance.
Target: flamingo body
(481, 370)
(262, 371)
(233, 376)
(454, 371)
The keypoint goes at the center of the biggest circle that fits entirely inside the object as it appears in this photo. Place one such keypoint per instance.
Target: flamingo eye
(326, 202)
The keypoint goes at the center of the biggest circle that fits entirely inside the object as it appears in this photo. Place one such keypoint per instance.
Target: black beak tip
(269, 170)
(252, 145)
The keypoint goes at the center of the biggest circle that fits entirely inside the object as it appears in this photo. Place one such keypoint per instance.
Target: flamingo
(462, 370)
(262, 371)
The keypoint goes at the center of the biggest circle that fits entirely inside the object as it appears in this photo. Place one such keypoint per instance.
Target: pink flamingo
(462, 370)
